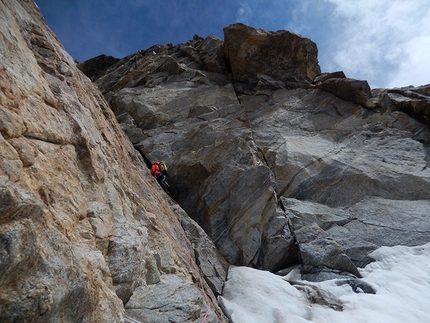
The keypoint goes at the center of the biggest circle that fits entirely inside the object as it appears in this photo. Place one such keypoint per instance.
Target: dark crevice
(148, 163)
(281, 205)
(248, 121)
(293, 233)
(40, 138)
(264, 156)
(230, 73)
(236, 92)
(390, 228)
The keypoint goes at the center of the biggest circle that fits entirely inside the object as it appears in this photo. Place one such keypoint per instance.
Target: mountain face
(278, 163)
(86, 235)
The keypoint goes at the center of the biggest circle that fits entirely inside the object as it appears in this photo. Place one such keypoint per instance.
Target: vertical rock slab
(282, 54)
(83, 225)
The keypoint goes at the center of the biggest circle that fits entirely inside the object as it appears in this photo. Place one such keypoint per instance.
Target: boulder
(172, 66)
(173, 299)
(94, 67)
(250, 51)
(210, 52)
(358, 229)
(325, 76)
(318, 250)
(379, 100)
(348, 89)
(413, 101)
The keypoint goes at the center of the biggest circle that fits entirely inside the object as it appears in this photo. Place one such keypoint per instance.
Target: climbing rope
(192, 261)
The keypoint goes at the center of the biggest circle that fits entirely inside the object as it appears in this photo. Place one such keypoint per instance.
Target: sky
(400, 276)
(386, 42)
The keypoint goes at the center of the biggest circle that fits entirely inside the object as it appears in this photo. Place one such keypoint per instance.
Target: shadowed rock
(94, 67)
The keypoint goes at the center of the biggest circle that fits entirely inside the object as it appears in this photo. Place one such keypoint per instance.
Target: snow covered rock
(395, 288)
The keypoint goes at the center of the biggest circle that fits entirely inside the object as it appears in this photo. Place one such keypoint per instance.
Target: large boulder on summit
(282, 54)
(84, 229)
(279, 174)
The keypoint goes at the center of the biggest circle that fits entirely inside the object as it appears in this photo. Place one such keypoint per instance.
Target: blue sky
(386, 42)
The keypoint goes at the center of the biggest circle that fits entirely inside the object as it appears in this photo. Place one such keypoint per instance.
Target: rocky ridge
(85, 233)
(278, 165)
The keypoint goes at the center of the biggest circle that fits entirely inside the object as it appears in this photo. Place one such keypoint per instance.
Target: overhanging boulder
(282, 54)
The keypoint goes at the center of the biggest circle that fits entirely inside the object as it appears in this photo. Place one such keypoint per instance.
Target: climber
(159, 171)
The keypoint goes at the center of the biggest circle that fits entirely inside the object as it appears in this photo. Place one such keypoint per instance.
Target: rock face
(96, 64)
(348, 89)
(413, 101)
(282, 55)
(279, 166)
(86, 234)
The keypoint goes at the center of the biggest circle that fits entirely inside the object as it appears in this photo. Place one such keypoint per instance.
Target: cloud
(415, 69)
(296, 22)
(244, 13)
(384, 41)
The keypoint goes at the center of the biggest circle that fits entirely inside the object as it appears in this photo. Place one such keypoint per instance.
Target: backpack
(163, 167)
(155, 168)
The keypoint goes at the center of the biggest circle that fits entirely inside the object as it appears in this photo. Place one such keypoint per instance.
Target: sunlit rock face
(282, 54)
(278, 167)
(84, 228)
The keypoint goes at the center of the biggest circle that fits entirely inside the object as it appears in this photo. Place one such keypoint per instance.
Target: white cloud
(244, 13)
(415, 70)
(385, 42)
(296, 23)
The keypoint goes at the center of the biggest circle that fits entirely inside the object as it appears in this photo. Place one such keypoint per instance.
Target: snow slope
(400, 276)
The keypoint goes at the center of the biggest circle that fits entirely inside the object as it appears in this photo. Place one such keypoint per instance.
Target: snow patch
(400, 276)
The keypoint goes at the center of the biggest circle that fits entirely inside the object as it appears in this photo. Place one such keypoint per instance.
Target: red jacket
(155, 168)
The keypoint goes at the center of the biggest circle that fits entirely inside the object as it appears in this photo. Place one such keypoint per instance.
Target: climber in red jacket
(159, 171)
